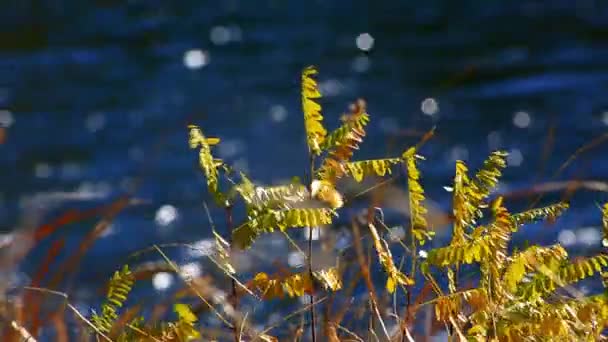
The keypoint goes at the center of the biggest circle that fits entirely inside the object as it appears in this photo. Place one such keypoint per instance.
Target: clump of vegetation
(519, 294)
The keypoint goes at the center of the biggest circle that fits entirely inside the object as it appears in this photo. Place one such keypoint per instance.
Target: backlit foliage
(287, 206)
(270, 220)
(525, 295)
(118, 289)
(519, 294)
(295, 285)
(395, 276)
(313, 119)
(419, 224)
(342, 143)
(208, 163)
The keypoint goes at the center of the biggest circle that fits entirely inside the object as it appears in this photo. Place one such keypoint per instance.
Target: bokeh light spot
(196, 59)
(365, 41)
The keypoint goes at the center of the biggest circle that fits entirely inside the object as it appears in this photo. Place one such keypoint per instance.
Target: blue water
(96, 98)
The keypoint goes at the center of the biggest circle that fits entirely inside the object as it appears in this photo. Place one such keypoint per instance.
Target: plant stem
(309, 256)
(235, 298)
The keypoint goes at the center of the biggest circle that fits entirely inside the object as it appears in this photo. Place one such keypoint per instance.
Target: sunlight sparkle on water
(204, 247)
(567, 237)
(365, 41)
(191, 270)
(6, 118)
(278, 113)
(165, 215)
(515, 157)
(196, 59)
(588, 236)
(162, 281)
(296, 259)
(95, 122)
(42, 170)
(429, 106)
(521, 119)
(361, 64)
(494, 140)
(605, 118)
(219, 35)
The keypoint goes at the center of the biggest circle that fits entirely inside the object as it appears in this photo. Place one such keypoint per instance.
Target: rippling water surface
(95, 98)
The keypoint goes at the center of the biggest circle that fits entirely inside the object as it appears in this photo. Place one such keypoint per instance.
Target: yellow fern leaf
(416, 197)
(341, 143)
(365, 168)
(487, 177)
(464, 212)
(529, 261)
(184, 327)
(294, 285)
(271, 197)
(326, 192)
(583, 268)
(549, 212)
(313, 119)
(395, 276)
(330, 278)
(470, 194)
(548, 278)
(270, 220)
(184, 313)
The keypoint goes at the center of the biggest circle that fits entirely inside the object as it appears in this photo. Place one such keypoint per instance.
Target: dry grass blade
(193, 288)
(22, 332)
(71, 307)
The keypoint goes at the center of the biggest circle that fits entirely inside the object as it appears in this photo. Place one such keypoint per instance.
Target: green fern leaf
(118, 289)
(208, 164)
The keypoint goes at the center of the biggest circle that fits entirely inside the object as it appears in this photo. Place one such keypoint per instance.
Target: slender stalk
(235, 297)
(364, 265)
(311, 296)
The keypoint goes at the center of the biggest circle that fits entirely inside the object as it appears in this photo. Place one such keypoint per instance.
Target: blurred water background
(95, 97)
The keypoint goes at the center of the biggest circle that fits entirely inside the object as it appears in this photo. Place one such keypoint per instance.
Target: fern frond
(313, 119)
(583, 268)
(457, 254)
(374, 167)
(270, 220)
(341, 143)
(185, 328)
(118, 289)
(416, 197)
(529, 261)
(271, 197)
(464, 212)
(294, 285)
(395, 277)
(538, 214)
(326, 192)
(573, 319)
(476, 250)
(487, 177)
(470, 194)
(548, 279)
(207, 162)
